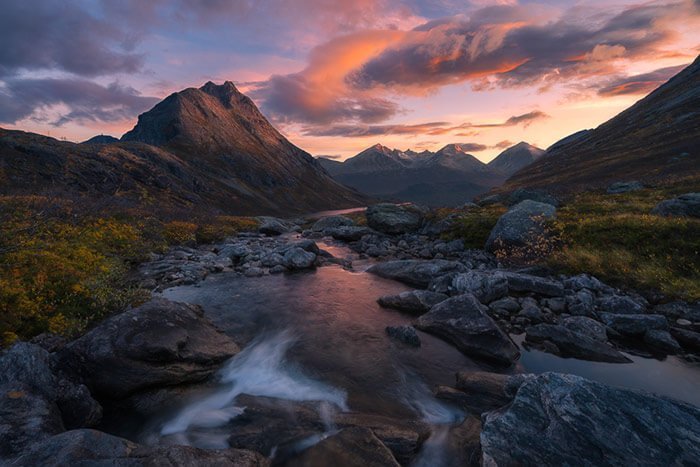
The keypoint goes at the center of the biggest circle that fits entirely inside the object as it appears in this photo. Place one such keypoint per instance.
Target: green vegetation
(613, 237)
(61, 270)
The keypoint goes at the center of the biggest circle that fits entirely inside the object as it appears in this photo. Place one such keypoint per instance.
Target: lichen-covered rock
(522, 226)
(558, 419)
(485, 286)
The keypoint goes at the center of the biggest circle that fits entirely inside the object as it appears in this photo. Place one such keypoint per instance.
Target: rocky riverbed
(380, 344)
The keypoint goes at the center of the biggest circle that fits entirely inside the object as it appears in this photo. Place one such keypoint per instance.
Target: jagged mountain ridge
(209, 147)
(657, 140)
(450, 176)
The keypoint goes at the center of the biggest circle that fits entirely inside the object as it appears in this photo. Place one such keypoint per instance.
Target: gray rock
(634, 325)
(254, 271)
(49, 342)
(584, 281)
(522, 194)
(273, 226)
(349, 233)
(30, 365)
(557, 305)
(351, 447)
(463, 322)
(688, 339)
(582, 303)
(485, 286)
(624, 187)
(271, 260)
(418, 273)
(26, 417)
(532, 313)
(519, 282)
(412, 301)
(484, 391)
(405, 334)
(620, 304)
(572, 344)
(521, 226)
(489, 200)
(94, 448)
(159, 343)
(679, 310)
(662, 340)
(558, 419)
(394, 219)
(279, 269)
(586, 326)
(331, 222)
(687, 205)
(298, 258)
(508, 304)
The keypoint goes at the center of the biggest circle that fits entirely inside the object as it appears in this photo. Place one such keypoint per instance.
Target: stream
(319, 336)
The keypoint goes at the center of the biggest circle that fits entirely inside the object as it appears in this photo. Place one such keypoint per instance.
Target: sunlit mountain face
(336, 77)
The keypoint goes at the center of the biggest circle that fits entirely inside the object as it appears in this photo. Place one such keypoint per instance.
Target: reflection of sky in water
(671, 377)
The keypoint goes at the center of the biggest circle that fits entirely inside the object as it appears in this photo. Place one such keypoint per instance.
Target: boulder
(558, 419)
(416, 272)
(522, 194)
(351, 447)
(520, 282)
(484, 391)
(662, 340)
(624, 187)
(690, 340)
(405, 334)
(679, 310)
(463, 322)
(620, 304)
(30, 365)
(522, 226)
(90, 447)
(349, 233)
(584, 281)
(159, 343)
(687, 205)
(581, 303)
(586, 326)
(298, 258)
(572, 344)
(273, 226)
(26, 417)
(634, 325)
(331, 222)
(507, 304)
(485, 286)
(394, 219)
(412, 301)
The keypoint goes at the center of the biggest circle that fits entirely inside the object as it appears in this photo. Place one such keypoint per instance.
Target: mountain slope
(655, 140)
(208, 148)
(515, 158)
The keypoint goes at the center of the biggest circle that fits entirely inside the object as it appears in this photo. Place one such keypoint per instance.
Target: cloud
(639, 84)
(509, 46)
(473, 147)
(427, 128)
(51, 35)
(505, 144)
(86, 101)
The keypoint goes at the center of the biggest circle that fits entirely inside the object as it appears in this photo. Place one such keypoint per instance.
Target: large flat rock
(416, 272)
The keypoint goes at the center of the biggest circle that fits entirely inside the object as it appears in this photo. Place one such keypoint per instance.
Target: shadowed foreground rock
(350, 447)
(568, 343)
(463, 322)
(412, 301)
(416, 272)
(157, 344)
(558, 419)
(92, 448)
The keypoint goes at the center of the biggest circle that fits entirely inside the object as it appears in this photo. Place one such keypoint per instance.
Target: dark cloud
(503, 45)
(524, 119)
(505, 144)
(62, 35)
(473, 147)
(86, 101)
(639, 84)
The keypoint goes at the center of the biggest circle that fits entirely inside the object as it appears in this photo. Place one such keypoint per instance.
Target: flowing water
(319, 336)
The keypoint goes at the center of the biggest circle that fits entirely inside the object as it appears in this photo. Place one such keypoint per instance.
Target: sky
(339, 76)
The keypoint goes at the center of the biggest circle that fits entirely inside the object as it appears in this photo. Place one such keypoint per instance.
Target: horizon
(407, 75)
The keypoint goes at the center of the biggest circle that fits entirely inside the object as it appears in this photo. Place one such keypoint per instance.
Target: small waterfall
(261, 369)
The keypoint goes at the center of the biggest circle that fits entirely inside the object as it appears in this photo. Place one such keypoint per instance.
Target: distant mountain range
(450, 176)
(208, 147)
(656, 140)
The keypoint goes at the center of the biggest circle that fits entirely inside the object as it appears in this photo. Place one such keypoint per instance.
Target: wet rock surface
(157, 344)
(414, 301)
(558, 419)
